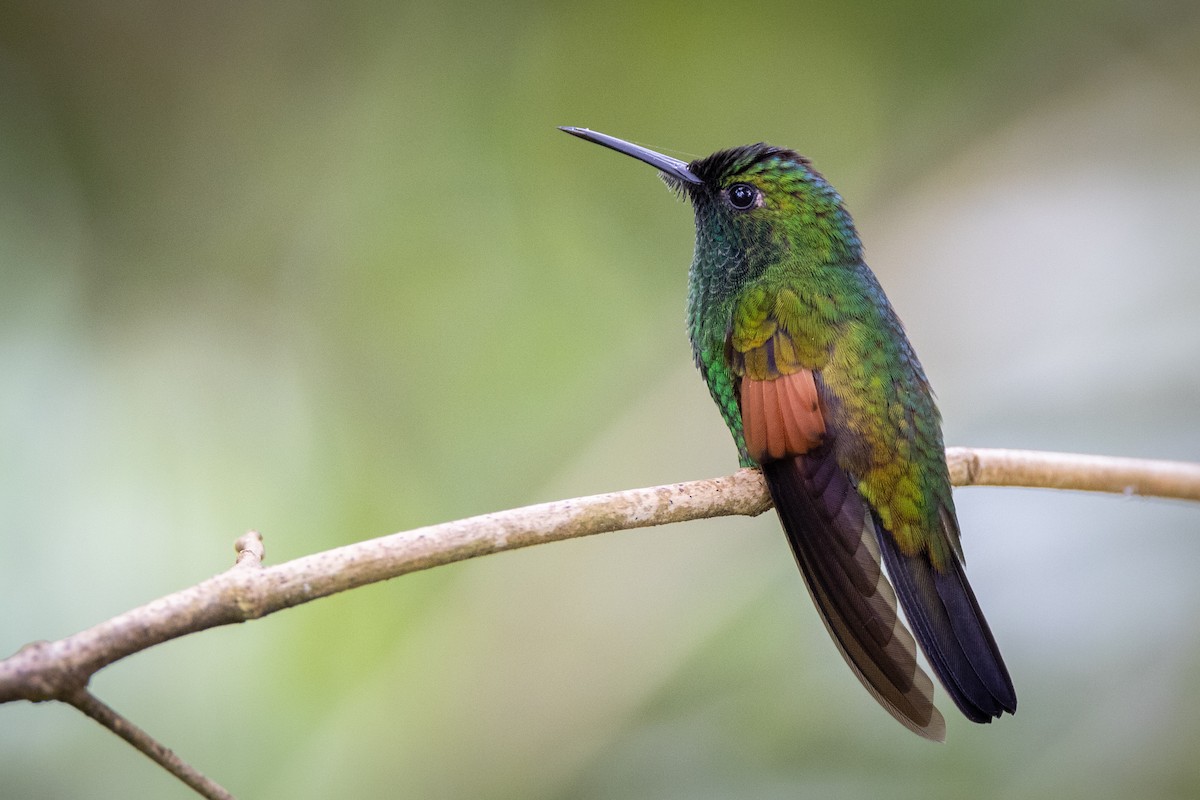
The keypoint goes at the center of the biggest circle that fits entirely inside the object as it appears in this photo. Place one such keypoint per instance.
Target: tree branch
(56, 670)
(1040, 469)
(89, 704)
(61, 670)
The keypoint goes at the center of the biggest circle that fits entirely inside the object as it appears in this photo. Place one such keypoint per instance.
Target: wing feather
(833, 538)
(839, 540)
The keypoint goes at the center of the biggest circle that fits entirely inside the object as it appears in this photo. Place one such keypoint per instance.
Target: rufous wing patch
(781, 416)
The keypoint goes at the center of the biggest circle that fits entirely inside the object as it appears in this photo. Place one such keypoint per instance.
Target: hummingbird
(814, 376)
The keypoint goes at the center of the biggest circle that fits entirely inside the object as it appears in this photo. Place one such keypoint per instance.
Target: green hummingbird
(812, 372)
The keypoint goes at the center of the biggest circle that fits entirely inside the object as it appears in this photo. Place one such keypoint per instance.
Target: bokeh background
(328, 271)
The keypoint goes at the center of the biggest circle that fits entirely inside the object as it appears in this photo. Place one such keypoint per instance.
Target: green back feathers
(781, 286)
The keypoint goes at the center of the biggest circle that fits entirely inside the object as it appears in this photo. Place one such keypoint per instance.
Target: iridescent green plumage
(812, 372)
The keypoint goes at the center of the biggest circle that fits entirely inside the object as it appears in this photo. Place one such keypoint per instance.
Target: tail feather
(833, 536)
(946, 619)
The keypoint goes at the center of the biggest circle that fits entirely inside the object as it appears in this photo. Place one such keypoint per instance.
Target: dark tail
(956, 639)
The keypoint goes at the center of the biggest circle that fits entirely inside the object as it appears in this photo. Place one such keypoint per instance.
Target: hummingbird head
(755, 206)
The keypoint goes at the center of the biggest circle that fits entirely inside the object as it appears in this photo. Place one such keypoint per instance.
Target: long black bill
(671, 166)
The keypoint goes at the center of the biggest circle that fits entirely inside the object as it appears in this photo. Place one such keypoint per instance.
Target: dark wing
(833, 536)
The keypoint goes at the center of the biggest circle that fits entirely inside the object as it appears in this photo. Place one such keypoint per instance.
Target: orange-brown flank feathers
(781, 417)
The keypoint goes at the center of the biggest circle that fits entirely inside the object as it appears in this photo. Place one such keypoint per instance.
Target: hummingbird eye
(742, 196)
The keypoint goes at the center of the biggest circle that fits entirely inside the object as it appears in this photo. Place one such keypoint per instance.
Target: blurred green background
(328, 271)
